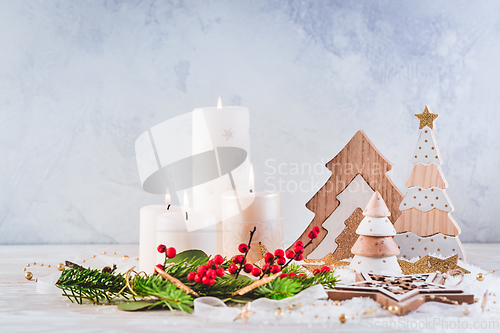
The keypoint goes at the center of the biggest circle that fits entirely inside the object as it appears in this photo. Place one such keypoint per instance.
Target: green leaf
(188, 255)
(134, 306)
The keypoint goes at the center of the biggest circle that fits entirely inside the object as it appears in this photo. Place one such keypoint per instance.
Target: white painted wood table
(22, 309)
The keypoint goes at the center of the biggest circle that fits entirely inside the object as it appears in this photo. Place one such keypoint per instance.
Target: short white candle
(147, 236)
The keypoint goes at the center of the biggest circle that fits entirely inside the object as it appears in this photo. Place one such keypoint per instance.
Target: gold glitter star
(429, 264)
(426, 118)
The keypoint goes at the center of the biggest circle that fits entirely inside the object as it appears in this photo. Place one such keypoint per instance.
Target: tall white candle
(219, 127)
(147, 236)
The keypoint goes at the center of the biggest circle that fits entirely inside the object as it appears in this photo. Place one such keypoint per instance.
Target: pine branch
(168, 294)
(80, 283)
(279, 288)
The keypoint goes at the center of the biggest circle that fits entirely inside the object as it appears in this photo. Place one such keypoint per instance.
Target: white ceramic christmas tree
(426, 225)
(375, 250)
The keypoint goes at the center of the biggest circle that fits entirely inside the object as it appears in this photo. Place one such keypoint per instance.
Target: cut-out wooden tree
(426, 225)
(358, 157)
(348, 237)
(375, 250)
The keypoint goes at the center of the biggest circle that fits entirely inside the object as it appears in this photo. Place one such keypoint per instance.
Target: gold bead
(480, 276)
(48, 266)
(93, 256)
(60, 267)
(114, 252)
(104, 252)
(336, 302)
(300, 304)
(465, 310)
(493, 271)
(28, 275)
(83, 260)
(290, 307)
(393, 309)
(313, 304)
(476, 300)
(343, 318)
(41, 264)
(137, 259)
(34, 263)
(28, 265)
(125, 257)
(24, 269)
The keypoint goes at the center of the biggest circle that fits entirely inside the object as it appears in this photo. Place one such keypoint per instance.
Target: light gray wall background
(81, 80)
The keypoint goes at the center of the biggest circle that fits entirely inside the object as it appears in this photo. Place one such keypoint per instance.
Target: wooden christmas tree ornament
(425, 225)
(358, 163)
(375, 250)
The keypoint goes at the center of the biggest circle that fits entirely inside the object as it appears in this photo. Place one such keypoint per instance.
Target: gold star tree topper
(426, 118)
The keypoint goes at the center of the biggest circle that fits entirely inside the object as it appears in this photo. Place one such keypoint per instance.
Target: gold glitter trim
(429, 264)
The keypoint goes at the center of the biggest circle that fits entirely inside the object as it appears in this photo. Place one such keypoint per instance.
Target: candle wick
(186, 215)
(251, 191)
(168, 207)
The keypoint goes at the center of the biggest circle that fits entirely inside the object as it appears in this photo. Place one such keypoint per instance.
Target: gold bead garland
(29, 275)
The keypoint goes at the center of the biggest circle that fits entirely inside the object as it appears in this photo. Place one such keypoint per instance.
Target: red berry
(232, 268)
(298, 249)
(211, 282)
(171, 252)
(279, 253)
(281, 261)
(301, 276)
(325, 269)
(202, 270)
(218, 259)
(290, 254)
(211, 274)
(160, 266)
(283, 275)
(268, 257)
(243, 248)
(210, 263)
(238, 259)
(256, 271)
(265, 267)
(191, 276)
(220, 271)
(106, 269)
(275, 269)
(197, 278)
(316, 271)
(292, 274)
(299, 257)
(299, 243)
(316, 229)
(312, 234)
(161, 248)
(248, 268)
(205, 280)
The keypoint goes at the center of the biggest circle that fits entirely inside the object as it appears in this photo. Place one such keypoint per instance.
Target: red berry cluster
(323, 269)
(206, 274)
(169, 252)
(241, 260)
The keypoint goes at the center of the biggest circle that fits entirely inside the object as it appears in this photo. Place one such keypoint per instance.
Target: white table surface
(22, 309)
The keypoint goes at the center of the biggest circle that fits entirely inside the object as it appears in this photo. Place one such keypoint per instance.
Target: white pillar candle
(218, 127)
(185, 229)
(263, 211)
(147, 236)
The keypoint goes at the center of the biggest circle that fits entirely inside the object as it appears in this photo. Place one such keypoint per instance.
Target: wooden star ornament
(401, 294)
(426, 118)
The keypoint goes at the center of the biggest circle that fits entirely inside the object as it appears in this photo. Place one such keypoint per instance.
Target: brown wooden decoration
(361, 157)
(348, 237)
(404, 293)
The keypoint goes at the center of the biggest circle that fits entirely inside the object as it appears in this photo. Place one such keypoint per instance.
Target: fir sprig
(80, 284)
(279, 289)
(166, 293)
